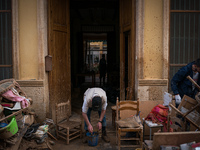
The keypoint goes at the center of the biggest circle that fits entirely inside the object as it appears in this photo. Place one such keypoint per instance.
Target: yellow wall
(28, 39)
(153, 26)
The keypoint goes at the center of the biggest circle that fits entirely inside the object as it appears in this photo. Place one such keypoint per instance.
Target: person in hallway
(181, 86)
(102, 69)
(95, 99)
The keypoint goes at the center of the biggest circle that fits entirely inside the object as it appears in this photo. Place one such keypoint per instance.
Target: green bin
(9, 130)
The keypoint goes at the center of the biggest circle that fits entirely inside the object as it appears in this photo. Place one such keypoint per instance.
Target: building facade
(34, 39)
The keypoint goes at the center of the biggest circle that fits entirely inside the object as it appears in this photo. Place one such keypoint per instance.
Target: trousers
(89, 114)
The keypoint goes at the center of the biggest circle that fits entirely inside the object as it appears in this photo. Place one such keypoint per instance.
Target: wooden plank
(15, 113)
(197, 86)
(174, 138)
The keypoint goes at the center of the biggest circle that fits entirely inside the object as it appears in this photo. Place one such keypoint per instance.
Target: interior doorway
(94, 32)
(94, 48)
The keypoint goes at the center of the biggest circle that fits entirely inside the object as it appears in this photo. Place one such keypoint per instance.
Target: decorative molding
(31, 83)
(143, 82)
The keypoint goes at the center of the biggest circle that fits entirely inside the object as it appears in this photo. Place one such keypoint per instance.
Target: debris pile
(17, 120)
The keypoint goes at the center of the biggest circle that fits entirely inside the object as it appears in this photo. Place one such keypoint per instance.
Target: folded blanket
(15, 97)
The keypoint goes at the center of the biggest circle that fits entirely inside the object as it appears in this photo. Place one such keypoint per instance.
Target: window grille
(184, 33)
(5, 40)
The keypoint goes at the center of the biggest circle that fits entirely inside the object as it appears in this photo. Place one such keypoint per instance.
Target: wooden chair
(129, 94)
(66, 129)
(125, 109)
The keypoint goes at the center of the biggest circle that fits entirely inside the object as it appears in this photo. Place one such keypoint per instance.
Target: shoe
(105, 137)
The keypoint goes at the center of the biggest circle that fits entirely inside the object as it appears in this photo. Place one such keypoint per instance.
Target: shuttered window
(5, 40)
(184, 33)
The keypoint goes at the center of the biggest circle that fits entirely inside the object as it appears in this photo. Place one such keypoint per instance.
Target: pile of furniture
(15, 116)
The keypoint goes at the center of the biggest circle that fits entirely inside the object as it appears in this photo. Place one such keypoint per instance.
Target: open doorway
(94, 49)
(94, 32)
(69, 22)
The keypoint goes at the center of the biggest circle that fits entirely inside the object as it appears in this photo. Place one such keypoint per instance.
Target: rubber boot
(105, 137)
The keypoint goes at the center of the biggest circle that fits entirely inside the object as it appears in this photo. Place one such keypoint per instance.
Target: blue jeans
(88, 115)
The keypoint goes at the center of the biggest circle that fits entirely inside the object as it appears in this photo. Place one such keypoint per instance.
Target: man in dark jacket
(181, 85)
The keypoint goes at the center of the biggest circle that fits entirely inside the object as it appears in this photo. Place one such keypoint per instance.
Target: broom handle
(188, 77)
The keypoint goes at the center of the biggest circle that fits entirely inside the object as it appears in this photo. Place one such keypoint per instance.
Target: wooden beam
(174, 138)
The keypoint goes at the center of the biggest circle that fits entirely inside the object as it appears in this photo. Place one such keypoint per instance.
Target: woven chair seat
(69, 124)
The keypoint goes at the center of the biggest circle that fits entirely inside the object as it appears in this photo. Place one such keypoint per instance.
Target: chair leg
(119, 136)
(137, 136)
(116, 134)
(67, 135)
(57, 131)
(141, 139)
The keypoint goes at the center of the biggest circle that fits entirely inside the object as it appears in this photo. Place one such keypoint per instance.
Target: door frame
(128, 25)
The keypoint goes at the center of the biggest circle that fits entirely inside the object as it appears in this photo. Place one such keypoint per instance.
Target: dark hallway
(94, 21)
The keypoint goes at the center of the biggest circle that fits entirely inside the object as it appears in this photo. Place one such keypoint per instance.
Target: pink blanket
(11, 96)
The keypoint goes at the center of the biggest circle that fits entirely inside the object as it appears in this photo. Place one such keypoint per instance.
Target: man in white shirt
(95, 99)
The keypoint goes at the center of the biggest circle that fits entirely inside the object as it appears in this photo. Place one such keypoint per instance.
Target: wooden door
(59, 49)
(127, 48)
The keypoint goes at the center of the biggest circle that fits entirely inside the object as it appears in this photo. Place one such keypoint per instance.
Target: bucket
(3, 125)
(92, 138)
(9, 130)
